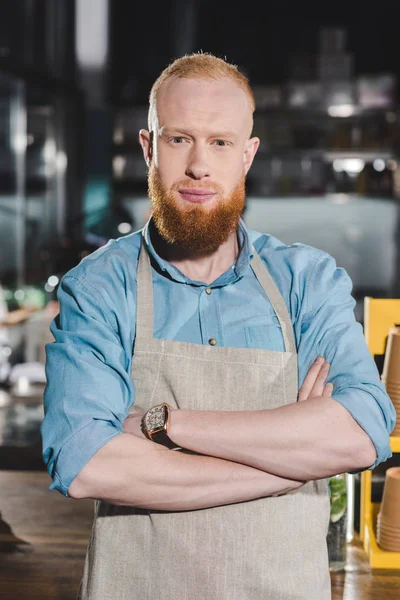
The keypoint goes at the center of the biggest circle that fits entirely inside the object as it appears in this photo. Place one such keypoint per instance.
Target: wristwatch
(155, 425)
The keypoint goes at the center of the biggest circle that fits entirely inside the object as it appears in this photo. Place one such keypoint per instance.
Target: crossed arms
(241, 455)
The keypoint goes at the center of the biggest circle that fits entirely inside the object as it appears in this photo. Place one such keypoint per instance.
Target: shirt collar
(235, 272)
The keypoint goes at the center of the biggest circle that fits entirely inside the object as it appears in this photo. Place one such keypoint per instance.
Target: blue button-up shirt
(90, 389)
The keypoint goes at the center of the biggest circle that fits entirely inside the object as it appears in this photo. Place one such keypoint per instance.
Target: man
(213, 488)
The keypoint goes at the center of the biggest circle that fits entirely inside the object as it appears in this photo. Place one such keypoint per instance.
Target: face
(198, 155)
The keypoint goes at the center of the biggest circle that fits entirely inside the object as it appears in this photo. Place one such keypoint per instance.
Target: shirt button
(208, 291)
(212, 342)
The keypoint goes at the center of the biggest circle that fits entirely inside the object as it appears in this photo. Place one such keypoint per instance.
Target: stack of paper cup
(388, 525)
(391, 372)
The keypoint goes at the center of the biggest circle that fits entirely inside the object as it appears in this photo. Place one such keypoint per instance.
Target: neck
(206, 268)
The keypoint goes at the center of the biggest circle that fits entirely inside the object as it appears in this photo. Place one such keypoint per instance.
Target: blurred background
(74, 82)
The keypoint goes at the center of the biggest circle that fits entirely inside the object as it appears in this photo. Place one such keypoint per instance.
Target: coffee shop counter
(43, 538)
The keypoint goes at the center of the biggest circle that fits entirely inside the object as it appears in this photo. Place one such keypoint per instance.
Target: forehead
(217, 103)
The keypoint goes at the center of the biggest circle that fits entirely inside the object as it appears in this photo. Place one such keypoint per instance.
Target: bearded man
(173, 392)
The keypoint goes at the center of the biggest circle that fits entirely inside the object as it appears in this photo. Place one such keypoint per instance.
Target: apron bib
(268, 549)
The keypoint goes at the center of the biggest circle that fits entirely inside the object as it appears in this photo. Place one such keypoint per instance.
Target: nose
(198, 167)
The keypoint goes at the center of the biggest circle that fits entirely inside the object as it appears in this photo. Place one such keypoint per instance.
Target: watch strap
(161, 437)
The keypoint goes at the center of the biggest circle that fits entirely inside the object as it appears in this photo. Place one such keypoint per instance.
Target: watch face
(155, 418)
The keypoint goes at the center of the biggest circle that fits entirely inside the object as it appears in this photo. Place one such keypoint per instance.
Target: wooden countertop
(43, 539)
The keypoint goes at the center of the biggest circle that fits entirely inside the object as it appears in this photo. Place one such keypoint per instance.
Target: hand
(132, 424)
(314, 384)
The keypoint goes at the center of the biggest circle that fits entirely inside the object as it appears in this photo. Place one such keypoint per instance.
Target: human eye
(221, 143)
(177, 139)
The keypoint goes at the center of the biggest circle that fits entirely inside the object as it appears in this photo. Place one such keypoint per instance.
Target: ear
(249, 152)
(146, 141)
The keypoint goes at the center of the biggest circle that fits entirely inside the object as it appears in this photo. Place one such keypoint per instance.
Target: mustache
(186, 184)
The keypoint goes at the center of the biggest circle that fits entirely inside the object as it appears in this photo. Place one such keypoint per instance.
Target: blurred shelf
(368, 155)
(321, 112)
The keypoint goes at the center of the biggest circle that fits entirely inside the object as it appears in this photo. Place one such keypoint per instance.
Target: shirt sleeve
(329, 328)
(89, 387)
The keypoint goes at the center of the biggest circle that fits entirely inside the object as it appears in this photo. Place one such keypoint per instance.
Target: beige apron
(268, 549)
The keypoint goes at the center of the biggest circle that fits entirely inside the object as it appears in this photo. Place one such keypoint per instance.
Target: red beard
(193, 228)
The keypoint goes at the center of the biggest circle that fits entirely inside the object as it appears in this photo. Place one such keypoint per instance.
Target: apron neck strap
(275, 297)
(145, 303)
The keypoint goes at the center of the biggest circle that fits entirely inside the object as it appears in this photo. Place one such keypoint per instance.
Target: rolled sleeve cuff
(78, 450)
(365, 410)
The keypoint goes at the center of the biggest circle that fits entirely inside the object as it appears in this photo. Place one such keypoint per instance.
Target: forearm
(132, 471)
(305, 440)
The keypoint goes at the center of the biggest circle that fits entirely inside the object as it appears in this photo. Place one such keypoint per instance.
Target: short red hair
(199, 66)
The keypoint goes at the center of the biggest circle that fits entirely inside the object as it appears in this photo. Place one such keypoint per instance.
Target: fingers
(327, 393)
(315, 382)
(319, 385)
(311, 378)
